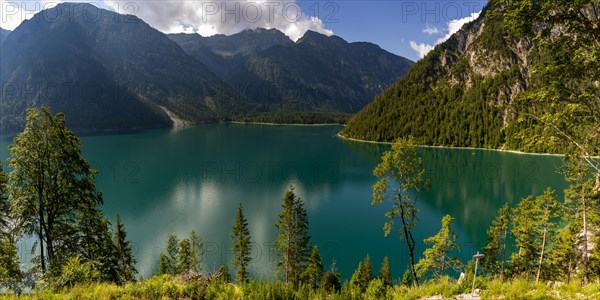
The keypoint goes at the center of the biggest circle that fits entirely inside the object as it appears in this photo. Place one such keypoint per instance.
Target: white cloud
(452, 27)
(421, 48)
(456, 25)
(431, 30)
(204, 17)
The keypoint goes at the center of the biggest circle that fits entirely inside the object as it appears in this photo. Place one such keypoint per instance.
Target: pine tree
(385, 274)
(564, 256)
(331, 279)
(579, 204)
(404, 168)
(124, 253)
(406, 278)
(197, 248)
(495, 250)
(240, 235)
(438, 258)
(185, 257)
(293, 240)
(50, 183)
(363, 275)
(314, 269)
(534, 226)
(169, 262)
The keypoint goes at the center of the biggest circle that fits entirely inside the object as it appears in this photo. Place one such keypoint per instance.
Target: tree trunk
(503, 253)
(41, 235)
(585, 243)
(539, 271)
(410, 243)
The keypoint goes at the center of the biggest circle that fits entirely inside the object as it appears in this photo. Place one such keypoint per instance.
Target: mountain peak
(316, 37)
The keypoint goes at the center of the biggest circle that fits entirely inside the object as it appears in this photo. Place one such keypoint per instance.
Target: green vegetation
(437, 260)
(500, 84)
(402, 174)
(240, 234)
(50, 194)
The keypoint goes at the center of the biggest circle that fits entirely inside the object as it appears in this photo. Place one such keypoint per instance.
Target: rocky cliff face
(460, 94)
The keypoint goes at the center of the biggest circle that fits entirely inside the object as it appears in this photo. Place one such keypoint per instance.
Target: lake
(175, 180)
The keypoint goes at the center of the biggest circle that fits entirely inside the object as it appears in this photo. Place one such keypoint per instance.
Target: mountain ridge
(461, 94)
(316, 73)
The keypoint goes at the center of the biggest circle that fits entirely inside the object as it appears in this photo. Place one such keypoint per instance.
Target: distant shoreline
(448, 147)
(284, 124)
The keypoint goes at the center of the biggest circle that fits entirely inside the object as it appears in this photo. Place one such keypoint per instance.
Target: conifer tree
(495, 250)
(438, 259)
(169, 262)
(535, 220)
(385, 274)
(185, 257)
(293, 240)
(314, 269)
(240, 235)
(124, 253)
(363, 275)
(197, 248)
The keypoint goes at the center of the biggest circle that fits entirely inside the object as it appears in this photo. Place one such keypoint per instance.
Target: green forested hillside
(465, 93)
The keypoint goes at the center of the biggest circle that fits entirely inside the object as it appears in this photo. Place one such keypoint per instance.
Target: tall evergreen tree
(438, 259)
(169, 262)
(363, 274)
(404, 169)
(534, 227)
(184, 264)
(581, 205)
(293, 240)
(50, 183)
(314, 269)
(124, 253)
(495, 249)
(240, 235)
(197, 248)
(564, 256)
(385, 274)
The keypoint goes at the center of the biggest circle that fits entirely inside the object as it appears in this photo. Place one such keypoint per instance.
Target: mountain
(223, 54)
(461, 94)
(107, 71)
(3, 34)
(315, 74)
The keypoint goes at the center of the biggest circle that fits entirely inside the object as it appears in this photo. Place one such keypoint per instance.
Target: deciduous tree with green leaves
(9, 260)
(402, 177)
(51, 184)
(240, 235)
(438, 259)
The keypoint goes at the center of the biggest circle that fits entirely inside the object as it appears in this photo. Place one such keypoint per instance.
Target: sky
(406, 28)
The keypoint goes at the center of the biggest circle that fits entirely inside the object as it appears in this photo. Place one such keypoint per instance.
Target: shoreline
(284, 124)
(449, 147)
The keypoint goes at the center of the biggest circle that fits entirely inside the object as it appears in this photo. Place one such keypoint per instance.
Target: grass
(168, 287)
